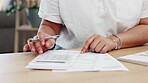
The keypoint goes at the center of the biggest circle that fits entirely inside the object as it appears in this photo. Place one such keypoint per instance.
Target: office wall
(6, 39)
(7, 36)
(7, 33)
(7, 24)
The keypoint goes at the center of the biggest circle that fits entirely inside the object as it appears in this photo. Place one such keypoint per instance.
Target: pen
(51, 37)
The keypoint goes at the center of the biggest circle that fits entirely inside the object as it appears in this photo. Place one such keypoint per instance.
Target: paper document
(71, 61)
(138, 58)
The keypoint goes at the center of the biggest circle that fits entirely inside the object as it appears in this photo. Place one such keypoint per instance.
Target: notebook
(138, 58)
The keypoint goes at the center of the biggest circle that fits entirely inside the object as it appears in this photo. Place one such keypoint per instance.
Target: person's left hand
(98, 43)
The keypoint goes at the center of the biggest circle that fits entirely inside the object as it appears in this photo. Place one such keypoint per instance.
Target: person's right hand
(41, 45)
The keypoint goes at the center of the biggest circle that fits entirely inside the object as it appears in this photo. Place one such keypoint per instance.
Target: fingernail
(40, 52)
(51, 46)
(43, 43)
(32, 50)
(25, 50)
(47, 45)
(82, 52)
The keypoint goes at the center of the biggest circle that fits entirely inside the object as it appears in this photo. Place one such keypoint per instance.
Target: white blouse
(83, 18)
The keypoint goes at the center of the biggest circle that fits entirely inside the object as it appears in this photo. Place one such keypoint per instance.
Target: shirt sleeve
(145, 9)
(49, 10)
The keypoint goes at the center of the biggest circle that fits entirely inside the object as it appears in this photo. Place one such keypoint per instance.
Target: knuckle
(108, 44)
(102, 38)
(95, 34)
(41, 39)
(52, 40)
(99, 37)
(107, 48)
(39, 33)
(103, 43)
(38, 47)
(38, 44)
(48, 42)
(88, 41)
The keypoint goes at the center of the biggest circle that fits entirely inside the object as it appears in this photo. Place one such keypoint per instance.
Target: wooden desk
(12, 70)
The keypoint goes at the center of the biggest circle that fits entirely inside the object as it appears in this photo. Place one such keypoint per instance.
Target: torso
(84, 18)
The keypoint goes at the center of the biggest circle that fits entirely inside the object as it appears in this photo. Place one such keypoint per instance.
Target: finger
(44, 48)
(31, 45)
(99, 46)
(87, 43)
(83, 50)
(105, 49)
(35, 37)
(94, 44)
(41, 37)
(26, 47)
(50, 43)
(38, 47)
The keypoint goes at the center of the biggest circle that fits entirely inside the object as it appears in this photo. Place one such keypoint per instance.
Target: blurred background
(18, 21)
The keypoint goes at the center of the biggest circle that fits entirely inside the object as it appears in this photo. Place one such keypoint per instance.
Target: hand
(98, 43)
(41, 45)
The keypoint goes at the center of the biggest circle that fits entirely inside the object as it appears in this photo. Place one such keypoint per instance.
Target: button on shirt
(83, 18)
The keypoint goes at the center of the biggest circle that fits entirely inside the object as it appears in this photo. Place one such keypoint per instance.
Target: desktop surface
(12, 70)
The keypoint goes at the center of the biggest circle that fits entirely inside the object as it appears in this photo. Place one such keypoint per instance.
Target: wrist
(117, 41)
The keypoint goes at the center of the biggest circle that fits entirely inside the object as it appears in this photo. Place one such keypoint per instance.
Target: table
(12, 70)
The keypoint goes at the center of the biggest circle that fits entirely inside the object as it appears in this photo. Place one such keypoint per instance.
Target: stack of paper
(139, 58)
(67, 61)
